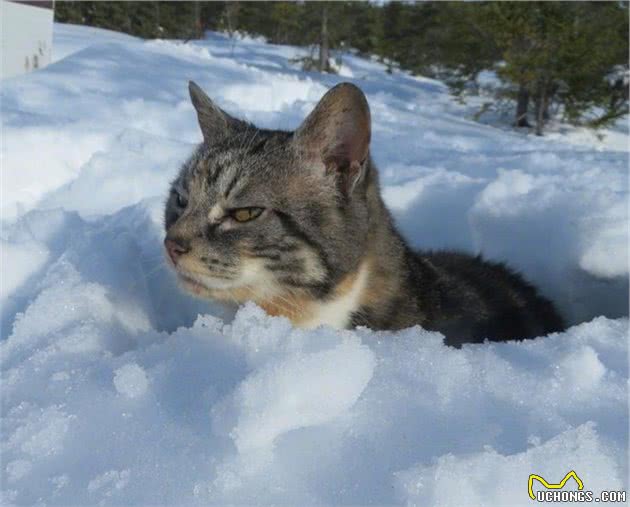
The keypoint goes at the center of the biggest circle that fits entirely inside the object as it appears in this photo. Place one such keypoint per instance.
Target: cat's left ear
(215, 123)
(336, 135)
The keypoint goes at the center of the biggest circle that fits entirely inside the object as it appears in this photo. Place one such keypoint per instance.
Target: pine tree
(568, 58)
(560, 52)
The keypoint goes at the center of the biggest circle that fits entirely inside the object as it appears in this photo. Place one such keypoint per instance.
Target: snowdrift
(119, 389)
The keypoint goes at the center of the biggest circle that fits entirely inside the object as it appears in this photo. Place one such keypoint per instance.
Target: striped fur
(325, 250)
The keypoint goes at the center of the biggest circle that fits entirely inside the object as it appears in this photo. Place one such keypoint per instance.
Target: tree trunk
(522, 104)
(323, 42)
(127, 18)
(197, 20)
(541, 107)
(551, 92)
(230, 15)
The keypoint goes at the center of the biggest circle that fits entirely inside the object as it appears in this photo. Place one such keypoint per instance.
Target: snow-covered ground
(118, 389)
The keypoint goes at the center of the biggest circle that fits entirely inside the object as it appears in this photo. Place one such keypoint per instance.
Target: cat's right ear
(336, 135)
(215, 123)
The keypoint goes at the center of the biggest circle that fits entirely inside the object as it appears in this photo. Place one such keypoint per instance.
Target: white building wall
(25, 38)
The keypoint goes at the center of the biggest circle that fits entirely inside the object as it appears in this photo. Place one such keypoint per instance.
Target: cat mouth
(191, 284)
(199, 284)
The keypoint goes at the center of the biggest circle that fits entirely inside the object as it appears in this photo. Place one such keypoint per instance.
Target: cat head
(257, 213)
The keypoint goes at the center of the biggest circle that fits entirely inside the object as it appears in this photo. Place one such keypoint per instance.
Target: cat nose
(175, 248)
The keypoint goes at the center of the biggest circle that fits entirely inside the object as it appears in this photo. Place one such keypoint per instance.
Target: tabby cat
(295, 222)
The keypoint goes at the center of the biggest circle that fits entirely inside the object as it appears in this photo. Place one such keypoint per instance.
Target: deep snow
(118, 389)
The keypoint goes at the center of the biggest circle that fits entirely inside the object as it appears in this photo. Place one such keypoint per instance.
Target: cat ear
(215, 123)
(337, 133)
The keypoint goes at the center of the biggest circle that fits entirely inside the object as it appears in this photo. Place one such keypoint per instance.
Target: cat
(295, 222)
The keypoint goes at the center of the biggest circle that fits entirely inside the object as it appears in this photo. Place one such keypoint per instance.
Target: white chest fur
(337, 312)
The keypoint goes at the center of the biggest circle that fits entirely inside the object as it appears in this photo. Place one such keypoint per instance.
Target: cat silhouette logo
(560, 485)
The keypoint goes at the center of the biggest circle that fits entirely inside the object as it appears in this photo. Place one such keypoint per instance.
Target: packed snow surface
(119, 389)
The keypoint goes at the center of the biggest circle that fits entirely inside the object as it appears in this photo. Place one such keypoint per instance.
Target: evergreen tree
(559, 52)
(569, 58)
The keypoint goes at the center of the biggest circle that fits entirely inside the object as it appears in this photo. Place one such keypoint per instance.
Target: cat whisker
(155, 270)
(251, 141)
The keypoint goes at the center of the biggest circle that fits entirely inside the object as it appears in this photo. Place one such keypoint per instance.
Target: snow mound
(130, 380)
(119, 389)
(477, 476)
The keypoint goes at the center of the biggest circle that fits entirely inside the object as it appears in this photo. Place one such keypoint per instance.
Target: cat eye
(246, 214)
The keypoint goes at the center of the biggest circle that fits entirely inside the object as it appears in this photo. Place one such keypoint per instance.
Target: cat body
(295, 222)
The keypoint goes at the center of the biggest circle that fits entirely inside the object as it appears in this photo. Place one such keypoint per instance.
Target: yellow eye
(246, 214)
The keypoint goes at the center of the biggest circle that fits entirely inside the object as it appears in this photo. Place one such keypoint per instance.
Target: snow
(30, 256)
(119, 389)
(477, 476)
(131, 380)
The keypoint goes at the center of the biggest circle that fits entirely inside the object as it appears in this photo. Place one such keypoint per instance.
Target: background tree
(565, 60)
(558, 53)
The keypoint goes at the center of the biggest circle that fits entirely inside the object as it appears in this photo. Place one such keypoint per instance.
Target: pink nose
(174, 249)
